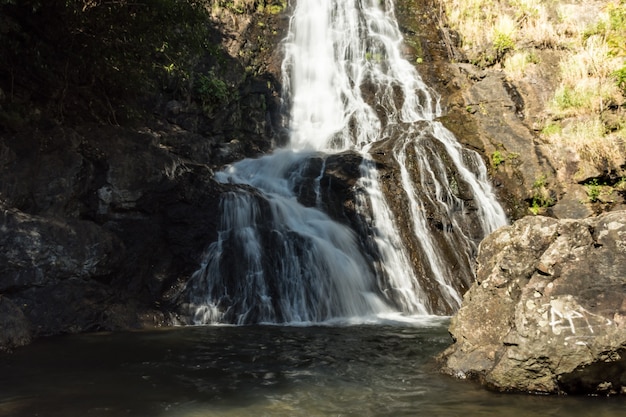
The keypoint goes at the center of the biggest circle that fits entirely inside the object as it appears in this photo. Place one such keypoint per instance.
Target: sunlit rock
(547, 313)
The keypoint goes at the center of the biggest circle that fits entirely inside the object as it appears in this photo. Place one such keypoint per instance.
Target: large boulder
(547, 313)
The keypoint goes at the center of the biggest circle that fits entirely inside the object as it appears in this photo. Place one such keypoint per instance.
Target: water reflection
(356, 370)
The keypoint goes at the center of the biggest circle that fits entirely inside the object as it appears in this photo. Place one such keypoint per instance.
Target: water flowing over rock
(103, 225)
(547, 313)
(280, 256)
(100, 225)
(97, 233)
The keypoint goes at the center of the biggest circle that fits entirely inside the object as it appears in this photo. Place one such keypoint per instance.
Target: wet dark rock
(452, 224)
(104, 241)
(40, 250)
(100, 224)
(485, 111)
(490, 118)
(337, 186)
(547, 313)
(15, 329)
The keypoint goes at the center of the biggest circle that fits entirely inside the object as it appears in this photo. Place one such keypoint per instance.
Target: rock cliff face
(547, 313)
(96, 225)
(511, 113)
(101, 224)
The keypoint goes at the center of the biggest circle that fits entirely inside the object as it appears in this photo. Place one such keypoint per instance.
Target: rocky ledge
(547, 313)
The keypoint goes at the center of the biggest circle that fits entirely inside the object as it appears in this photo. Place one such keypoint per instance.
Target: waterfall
(280, 256)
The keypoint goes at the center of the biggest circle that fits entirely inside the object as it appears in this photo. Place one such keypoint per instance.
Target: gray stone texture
(547, 313)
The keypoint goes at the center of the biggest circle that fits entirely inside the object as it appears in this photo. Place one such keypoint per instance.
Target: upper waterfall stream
(282, 255)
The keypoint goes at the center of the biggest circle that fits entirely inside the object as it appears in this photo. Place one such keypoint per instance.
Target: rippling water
(355, 370)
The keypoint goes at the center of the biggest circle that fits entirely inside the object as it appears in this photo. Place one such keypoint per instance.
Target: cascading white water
(276, 260)
(347, 87)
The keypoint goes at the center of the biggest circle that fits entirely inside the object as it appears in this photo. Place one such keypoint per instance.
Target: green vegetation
(96, 60)
(500, 157)
(604, 190)
(553, 128)
(620, 186)
(276, 8)
(236, 6)
(612, 28)
(620, 78)
(212, 91)
(502, 44)
(586, 109)
(593, 190)
(541, 198)
(593, 81)
(247, 6)
(497, 159)
(489, 32)
(568, 98)
(504, 36)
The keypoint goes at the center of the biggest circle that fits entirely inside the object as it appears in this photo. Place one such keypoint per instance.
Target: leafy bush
(502, 44)
(94, 58)
(212, 91)
(617, 26)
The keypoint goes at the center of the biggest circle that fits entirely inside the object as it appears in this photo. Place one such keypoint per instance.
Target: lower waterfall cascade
(281, 256)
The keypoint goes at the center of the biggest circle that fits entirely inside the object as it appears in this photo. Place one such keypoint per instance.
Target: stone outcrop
(547, 313)
(485, 110)
(97, 226)
(100, 225)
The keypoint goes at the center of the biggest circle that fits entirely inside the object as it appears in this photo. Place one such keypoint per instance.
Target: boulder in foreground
(548, 311)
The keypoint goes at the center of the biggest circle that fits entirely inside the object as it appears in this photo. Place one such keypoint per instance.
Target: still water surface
(357, 370)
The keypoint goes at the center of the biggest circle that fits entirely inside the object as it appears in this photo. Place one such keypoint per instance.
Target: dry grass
(591, 38)
(470, 18)
(517, 64)
(482, 23)
(588, 138)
